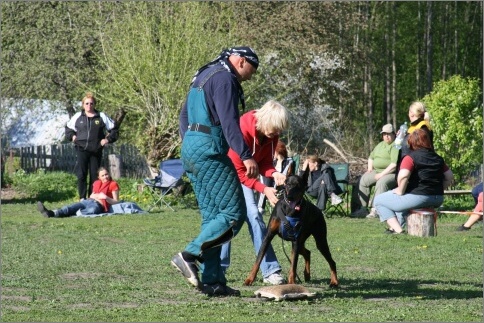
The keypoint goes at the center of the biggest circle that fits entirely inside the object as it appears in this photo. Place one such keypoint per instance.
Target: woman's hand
(270, 193)
(305, 165)
(104, 142)
(279, 178)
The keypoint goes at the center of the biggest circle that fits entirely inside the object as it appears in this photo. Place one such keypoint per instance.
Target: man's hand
(252, 168)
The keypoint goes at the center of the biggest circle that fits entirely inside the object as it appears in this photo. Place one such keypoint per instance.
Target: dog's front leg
(272, 229)
(306, 254)
(291, 279)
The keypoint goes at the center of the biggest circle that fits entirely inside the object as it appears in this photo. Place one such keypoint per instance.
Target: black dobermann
(295, 219)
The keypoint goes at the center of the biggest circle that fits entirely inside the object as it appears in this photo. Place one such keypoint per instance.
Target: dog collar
(296, 205)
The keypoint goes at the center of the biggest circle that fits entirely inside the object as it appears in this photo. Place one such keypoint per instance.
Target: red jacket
(263, 153)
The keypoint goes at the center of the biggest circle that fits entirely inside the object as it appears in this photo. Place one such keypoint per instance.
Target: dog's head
(294, 188)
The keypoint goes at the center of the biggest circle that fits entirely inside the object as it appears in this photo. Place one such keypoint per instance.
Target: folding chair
(342, 174)
(169, 180)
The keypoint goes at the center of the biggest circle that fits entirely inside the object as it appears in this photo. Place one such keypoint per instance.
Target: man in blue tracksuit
(209, 124)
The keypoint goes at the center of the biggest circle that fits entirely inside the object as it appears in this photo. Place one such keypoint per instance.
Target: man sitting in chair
(321, 182)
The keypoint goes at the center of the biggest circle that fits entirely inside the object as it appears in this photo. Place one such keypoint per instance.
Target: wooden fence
(62, 157)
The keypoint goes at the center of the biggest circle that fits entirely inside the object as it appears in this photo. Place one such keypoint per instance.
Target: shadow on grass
(426, 289)
(20, 200)
(42, 196)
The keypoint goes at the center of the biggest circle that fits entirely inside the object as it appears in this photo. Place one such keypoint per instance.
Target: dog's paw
(248, 282)
(333, 285)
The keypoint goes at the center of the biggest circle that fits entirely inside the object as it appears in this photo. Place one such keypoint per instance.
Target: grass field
(117, 269)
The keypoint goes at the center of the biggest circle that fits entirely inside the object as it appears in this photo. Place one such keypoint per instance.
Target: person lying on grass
(105, 192)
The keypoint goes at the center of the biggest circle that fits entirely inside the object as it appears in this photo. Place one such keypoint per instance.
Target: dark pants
(322, 188)
(475, 192)
(87, 162)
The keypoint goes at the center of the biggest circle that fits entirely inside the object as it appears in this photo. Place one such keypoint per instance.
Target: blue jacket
(222, 98)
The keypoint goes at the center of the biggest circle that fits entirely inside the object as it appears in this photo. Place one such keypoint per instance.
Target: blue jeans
(88, 206)
(257, 230)
(475, 192)
(389, 204)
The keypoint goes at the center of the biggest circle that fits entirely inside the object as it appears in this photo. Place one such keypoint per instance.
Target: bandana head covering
(246, 52)
(222, 58)
(242, 51)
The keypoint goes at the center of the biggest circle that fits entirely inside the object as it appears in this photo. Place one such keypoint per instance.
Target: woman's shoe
(391, 231)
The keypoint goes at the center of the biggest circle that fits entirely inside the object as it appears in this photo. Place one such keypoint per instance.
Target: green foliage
(331, 63)
(47, 50)
(117, 269)
(455, 106)
(46, 186)
(149, 55)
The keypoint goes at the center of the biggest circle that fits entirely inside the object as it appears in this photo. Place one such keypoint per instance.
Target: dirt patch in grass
(9, 194)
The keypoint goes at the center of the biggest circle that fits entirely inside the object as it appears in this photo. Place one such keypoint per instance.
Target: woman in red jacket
(261, 129)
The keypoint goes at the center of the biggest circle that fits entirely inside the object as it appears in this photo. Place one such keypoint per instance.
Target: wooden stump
(115, 165)
(422, 223)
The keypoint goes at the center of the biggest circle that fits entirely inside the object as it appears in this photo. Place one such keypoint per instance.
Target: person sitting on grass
(105, 193)
(474, 217)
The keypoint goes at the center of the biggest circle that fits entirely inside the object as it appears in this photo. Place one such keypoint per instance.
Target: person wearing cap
(209, 125)
(380, 173)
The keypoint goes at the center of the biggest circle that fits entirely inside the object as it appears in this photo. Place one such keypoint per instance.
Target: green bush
(455, 107)
(45, 186)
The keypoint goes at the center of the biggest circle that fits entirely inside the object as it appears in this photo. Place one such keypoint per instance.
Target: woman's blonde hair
(418, 109)
(89, 95)
(272, 116)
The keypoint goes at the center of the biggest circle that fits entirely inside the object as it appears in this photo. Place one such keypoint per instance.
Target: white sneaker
(372, 214)
(335, 199)
(274, 279)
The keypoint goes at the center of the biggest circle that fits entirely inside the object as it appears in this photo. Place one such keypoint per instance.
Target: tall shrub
(149, 55)
(455, 106)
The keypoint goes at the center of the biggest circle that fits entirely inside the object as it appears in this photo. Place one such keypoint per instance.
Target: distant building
(32, 122)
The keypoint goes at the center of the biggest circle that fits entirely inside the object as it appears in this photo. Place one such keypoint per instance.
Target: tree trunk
(115, 166)
(429, 49)
(392, 118)
(421, 223)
